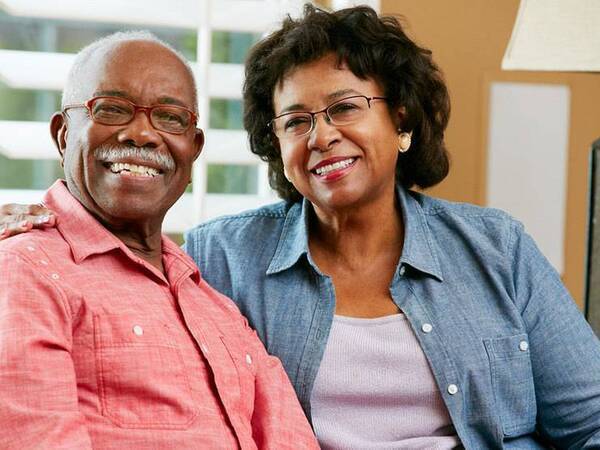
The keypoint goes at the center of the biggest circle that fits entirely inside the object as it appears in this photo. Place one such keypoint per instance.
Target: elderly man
(109, 337)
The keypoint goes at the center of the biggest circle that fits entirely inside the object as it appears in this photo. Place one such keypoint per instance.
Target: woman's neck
(353, 235)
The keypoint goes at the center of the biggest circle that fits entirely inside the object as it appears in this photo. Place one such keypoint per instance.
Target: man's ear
(58, 130)
(198, 143)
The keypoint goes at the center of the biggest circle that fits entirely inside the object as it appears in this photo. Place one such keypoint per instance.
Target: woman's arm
(564, 351)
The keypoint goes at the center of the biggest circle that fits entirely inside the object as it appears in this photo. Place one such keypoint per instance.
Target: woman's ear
(58, 130)
(400, 116)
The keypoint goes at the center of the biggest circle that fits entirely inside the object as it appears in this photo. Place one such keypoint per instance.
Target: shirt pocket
(141, 375)
(246, 374)
(512, 383)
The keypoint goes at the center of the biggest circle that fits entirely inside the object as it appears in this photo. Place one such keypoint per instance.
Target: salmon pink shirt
(98, 349)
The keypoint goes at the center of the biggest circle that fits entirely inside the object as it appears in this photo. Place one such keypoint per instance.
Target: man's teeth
(135, 170)
(323, 170)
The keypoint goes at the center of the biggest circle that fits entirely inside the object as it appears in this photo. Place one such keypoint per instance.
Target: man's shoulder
(34, 244)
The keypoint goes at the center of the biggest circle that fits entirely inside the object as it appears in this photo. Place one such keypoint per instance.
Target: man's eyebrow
(171, 101)
(111, 94)
(336, 95)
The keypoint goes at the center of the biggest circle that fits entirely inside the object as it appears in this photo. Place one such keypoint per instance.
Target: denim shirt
(514, 359)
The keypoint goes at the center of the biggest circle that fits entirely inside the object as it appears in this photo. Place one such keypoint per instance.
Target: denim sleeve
(188, 244)
(207, 248)
(564, 351)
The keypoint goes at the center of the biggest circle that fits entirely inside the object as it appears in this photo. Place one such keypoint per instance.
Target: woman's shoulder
(469, 222)
(469, 215)
(434, 206)
(238, 231)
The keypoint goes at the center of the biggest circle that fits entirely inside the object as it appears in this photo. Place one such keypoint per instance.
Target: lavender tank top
(375, 390)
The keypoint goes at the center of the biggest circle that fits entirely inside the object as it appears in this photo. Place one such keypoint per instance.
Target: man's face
(130, 173)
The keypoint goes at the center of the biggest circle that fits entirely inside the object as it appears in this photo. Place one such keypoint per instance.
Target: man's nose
(323, 134)
(140, 132)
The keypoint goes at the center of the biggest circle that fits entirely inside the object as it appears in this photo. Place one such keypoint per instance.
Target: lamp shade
(555, 35)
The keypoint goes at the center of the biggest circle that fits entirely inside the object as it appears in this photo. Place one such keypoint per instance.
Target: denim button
(427, 327)
(452, 389)
(523, 346)
(402, 271)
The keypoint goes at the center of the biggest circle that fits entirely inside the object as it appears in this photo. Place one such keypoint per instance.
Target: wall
(468, 39)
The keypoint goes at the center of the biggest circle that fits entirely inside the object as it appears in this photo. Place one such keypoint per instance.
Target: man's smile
(133, 169)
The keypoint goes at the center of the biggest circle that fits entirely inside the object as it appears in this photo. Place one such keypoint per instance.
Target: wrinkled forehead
(136, 67)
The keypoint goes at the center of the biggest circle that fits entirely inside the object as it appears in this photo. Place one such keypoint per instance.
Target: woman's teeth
(135, 170)
(324, 170)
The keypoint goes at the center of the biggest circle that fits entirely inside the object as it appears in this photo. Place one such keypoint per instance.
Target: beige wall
(468, 39)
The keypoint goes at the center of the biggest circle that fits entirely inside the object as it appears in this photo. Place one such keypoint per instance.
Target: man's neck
(147, 246)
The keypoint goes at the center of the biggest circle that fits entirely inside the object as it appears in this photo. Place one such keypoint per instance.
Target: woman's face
(337, 167)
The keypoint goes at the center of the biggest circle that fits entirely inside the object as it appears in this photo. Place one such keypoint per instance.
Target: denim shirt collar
(293, 242)
(418, 251)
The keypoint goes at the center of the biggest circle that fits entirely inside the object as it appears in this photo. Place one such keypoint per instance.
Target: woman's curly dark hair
(372, 47)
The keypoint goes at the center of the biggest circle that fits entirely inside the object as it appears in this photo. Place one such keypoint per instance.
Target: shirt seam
(37, 273)
(485, 213)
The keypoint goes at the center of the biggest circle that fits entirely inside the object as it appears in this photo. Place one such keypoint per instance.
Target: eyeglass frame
(271, 122)
(146, 109)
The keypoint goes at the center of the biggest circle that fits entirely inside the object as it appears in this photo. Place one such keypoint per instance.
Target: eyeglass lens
(343, 112)
(114, 111)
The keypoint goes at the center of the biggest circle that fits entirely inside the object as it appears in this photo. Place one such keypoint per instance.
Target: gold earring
(404, 141)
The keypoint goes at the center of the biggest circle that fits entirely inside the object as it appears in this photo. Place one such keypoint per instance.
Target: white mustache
(147, 154)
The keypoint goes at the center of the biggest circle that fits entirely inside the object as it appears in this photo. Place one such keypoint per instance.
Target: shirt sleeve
(278, 420)
(564, 351)
(38, 388)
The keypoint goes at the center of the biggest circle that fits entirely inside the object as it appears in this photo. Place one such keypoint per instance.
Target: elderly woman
(403, 321)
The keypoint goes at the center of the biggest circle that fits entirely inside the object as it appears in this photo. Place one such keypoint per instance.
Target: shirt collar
(293, 242)
(86, 236)
(418, 251)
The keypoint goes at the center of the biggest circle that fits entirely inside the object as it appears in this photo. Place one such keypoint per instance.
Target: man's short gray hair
(75, 89)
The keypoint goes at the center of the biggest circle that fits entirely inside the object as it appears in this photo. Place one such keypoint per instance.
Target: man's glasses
(119, 111)
(343, 112)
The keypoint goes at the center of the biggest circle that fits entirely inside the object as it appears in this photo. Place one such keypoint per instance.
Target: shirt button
(402, 271)
(204, 348)
(426, 328)
(137, 330)
(43, 262)
(452, 389)
(54, 276)
(248, 358)
(523, 346)
(30, 248)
